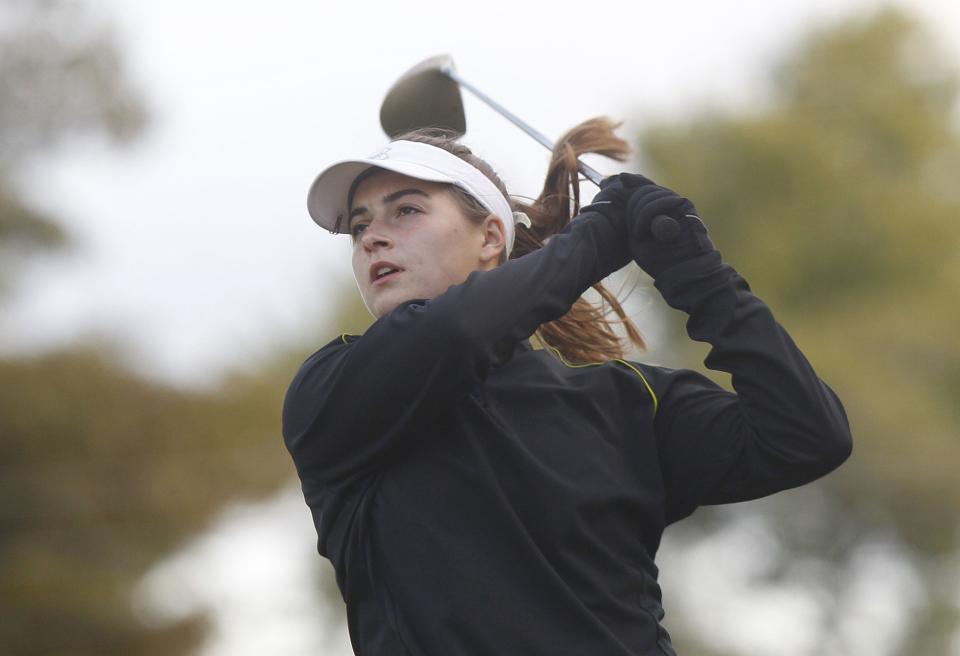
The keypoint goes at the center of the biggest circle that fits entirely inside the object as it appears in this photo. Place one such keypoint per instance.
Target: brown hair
(585, 333)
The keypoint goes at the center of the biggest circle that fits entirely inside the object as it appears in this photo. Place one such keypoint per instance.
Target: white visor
(327, 199)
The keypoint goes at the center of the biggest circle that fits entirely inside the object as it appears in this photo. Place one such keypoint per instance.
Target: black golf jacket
(478, 497)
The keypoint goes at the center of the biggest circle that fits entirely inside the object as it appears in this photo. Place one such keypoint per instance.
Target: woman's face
(411, 241)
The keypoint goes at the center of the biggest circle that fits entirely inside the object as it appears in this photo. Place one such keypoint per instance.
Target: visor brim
(327, 198)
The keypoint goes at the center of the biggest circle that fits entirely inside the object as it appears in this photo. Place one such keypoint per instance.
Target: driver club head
(424, 97)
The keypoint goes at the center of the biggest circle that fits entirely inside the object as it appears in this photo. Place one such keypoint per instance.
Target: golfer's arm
(782, 428)
(351, 406)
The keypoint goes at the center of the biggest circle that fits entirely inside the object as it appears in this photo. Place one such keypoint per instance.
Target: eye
(408, 209)
(356, 229)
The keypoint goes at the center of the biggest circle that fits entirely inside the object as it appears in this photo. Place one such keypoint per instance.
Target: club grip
(664, 228)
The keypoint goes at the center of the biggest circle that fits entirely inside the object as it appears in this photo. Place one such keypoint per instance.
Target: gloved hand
(641, 203)
(613, 197)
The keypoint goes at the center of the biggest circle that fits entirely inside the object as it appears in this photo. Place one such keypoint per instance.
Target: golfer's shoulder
(330, 353)
(663, 378)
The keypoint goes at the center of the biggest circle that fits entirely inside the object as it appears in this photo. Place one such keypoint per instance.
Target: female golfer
(478, 496)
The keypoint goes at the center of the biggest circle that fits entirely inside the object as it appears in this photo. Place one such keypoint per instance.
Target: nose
(373, 237)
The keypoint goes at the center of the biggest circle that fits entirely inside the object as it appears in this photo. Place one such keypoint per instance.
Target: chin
(388, 299)
(383, 304)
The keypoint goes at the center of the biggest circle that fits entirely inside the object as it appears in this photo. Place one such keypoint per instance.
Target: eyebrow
(389, 198)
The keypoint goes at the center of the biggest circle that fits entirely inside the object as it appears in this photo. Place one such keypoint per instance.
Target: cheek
(461, 248)
(355, 264)
(360, 273)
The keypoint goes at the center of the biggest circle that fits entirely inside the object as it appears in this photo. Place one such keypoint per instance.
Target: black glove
(656, 244)
(613, 197)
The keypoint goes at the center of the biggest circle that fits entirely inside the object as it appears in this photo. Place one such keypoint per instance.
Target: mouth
(383, 272)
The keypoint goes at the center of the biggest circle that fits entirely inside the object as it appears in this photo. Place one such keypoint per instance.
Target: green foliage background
(840, 203)
(838, 200)
(101, 473)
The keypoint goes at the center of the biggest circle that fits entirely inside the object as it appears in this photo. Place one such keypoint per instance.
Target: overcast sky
(195, 250)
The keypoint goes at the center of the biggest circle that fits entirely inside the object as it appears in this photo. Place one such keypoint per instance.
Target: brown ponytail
(585, 333)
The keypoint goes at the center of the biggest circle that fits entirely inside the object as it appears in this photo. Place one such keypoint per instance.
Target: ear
(494, 241)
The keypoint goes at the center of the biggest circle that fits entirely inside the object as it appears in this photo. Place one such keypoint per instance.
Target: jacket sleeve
(782, 427)
(351, 404)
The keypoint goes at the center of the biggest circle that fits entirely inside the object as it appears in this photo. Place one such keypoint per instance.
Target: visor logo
(383, 154)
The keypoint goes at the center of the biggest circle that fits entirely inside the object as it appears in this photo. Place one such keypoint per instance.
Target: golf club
(428, 95)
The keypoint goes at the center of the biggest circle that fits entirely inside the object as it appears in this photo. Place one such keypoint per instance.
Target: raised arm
(351, 404)
(782, 428)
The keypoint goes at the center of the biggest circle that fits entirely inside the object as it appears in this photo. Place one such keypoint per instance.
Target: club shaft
(591, 174)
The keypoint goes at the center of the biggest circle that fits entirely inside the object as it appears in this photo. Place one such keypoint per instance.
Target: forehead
(382, 182)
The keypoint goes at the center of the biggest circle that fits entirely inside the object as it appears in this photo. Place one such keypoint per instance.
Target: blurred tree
(838, 201)
(101, 473)
(60, 78)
